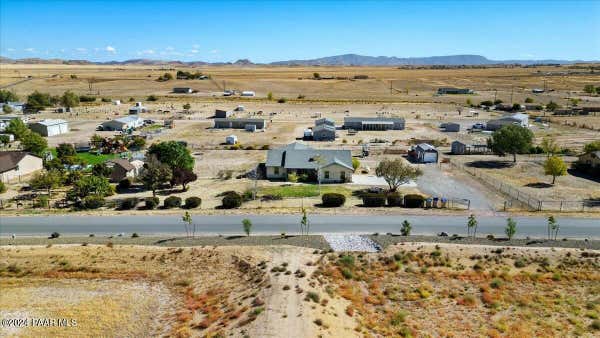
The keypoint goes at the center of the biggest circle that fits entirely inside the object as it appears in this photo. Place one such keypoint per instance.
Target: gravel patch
(351, 243)
(386, 240)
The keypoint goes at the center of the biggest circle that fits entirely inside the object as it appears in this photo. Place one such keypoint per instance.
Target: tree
(270, 96)
(316, 75)
(472, 224)
(183, 176)
(397, 172)
(486, 103)
(6, 109)
(247, 224)
(406, 228)
(18, 128)
(592, 146)
(4, 139)
(511, 228)
(34, 143)
(552, 106)
(190, 227)
(469, 102)
(172, 153)
(553, 227)
(549, 146)
(511, 139)
(69, 99)
(155, 174)
(46, 180)
(8, 96)
(304, 224)
(90, 185)
(101, 169)
(516, 107)
(37, 100)
(66, 153)
(555, 166)
(355, 163)
(590, 89)
(187, 106)
(528, 100)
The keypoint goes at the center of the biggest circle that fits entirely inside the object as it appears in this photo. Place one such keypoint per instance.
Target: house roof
(324, 127)
(425, 147)
(324, 120)
(9, 160)
(300, 156)
(50, 122)
(123, 163)
(128, 119)
(373, 119)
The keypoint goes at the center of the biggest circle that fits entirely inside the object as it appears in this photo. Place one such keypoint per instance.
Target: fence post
(561, 204)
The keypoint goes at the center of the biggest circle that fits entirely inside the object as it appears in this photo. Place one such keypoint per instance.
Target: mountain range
(337, 60)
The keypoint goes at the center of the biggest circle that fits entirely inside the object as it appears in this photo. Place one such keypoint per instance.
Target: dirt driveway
(443, 183)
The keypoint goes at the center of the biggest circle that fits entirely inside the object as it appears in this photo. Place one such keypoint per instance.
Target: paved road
(276, 224)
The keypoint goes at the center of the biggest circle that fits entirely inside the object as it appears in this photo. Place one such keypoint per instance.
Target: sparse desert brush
(467, 300)
(311, 295)
(350, 310)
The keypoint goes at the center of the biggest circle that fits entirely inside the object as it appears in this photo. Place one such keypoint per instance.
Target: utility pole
(495, 94)
(512, 89)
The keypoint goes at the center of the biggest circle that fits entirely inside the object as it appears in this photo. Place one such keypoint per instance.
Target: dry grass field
(410, 289)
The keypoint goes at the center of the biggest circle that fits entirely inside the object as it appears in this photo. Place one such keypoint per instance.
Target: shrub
(86, 98)
(405, 228)
(311, 295)
(2, 187)
(135, 235)
(232, 200)
(333, 200)
(413, 201)
(373, 200)
(520, 263)
(124, 184)
(172, 202)
(92, 202)
(192, 202)
(129, 203)
(151, 202)
(394, 199)
(152, 98)
(54, 235)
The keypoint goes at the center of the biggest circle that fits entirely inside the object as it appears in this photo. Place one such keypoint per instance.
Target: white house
(16, 107)
(123, 123)
(50, 127)
(15, 164)
(519, 119)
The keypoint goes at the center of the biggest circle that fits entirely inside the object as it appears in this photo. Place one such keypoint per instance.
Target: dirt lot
(281, 291)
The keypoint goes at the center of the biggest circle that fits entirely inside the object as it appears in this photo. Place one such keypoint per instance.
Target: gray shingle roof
(300, 156)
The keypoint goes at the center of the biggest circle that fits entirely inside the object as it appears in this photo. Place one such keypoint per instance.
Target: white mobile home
(123, 123)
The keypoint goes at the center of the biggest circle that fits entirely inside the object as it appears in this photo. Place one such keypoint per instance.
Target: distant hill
(338, 60)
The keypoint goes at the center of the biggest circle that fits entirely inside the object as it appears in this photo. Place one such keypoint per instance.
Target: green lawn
(304, 190)
(91, 158)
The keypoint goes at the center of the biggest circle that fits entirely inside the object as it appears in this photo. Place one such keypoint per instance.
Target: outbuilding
(326, 121)
(374, 123)
(324, 132)
(137, 109)
(183, 90)
(231, 139)
(425, 153)
(123, 123)
(519, 119)
(223, 114)
(50, 127)
(16, 164)
(248, 93)
(452, 127)
(224, 123)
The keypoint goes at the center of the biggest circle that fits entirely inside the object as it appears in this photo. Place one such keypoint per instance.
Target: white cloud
(169, 48)
(30, 50)
(81, 50)
(111, 49)
(146, 52)
(10, 50)
(196, 46)
(214, 51)
(194, 51)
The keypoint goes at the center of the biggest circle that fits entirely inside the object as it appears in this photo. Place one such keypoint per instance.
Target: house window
(343, 175)
(327, 174)
(276, 170)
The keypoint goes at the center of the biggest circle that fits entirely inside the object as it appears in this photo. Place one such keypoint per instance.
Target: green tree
(555, 166)
(528, 100)
(3, 187)
(549, 146)
(172, 153)
(190, 227)
(47, 180)
(304, 224)
(406, 228)
(397, 172)
(552, 106)
(270, 96)
(469, 102)
(187, 106)
(472, 224)
(65, 152)
(34, 143)
(355, 163)
(155, 174)
(511, 228)
(90, 185)
(553, 227)
(511, 139)
(4, 139)
(37, 100)
(182, 176)
(6, 109)
(101, 169)
(69, 99)
(590, 89)
(8, 96)
(592, 146)
(316, 75)
(18, 128)
(247, 225)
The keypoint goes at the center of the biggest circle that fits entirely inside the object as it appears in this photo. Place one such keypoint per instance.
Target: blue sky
(264, 31)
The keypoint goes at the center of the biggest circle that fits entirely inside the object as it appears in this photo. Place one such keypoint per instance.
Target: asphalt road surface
(275, 224)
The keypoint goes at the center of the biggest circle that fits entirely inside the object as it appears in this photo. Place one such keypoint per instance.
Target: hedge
(151, 202)
(172, 202)
(129, 203)
(373, 200)
(333, 199)
(394, 199)
(232, 200)
(92, 202)
(192, 202)
(413, 201)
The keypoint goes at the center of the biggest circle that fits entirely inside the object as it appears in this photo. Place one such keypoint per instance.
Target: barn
(50, 127)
